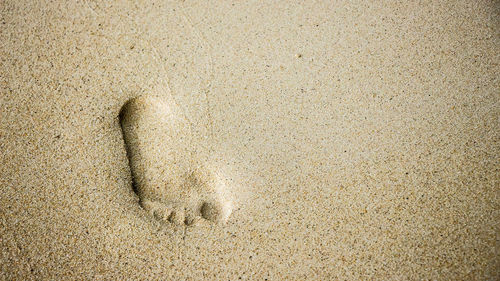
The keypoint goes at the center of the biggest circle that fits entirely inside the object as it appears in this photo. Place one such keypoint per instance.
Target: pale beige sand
(360, 138)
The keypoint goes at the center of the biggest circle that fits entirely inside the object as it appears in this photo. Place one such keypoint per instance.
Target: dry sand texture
(358, 139)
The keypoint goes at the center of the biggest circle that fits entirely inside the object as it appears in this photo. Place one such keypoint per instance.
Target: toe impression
(215, 212)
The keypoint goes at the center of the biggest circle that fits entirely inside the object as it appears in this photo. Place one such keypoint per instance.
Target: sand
(359, 139)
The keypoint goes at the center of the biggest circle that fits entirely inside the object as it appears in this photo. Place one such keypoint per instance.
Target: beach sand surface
(359, 139)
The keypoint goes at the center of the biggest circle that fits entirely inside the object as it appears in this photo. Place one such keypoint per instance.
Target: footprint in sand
(172, 184)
